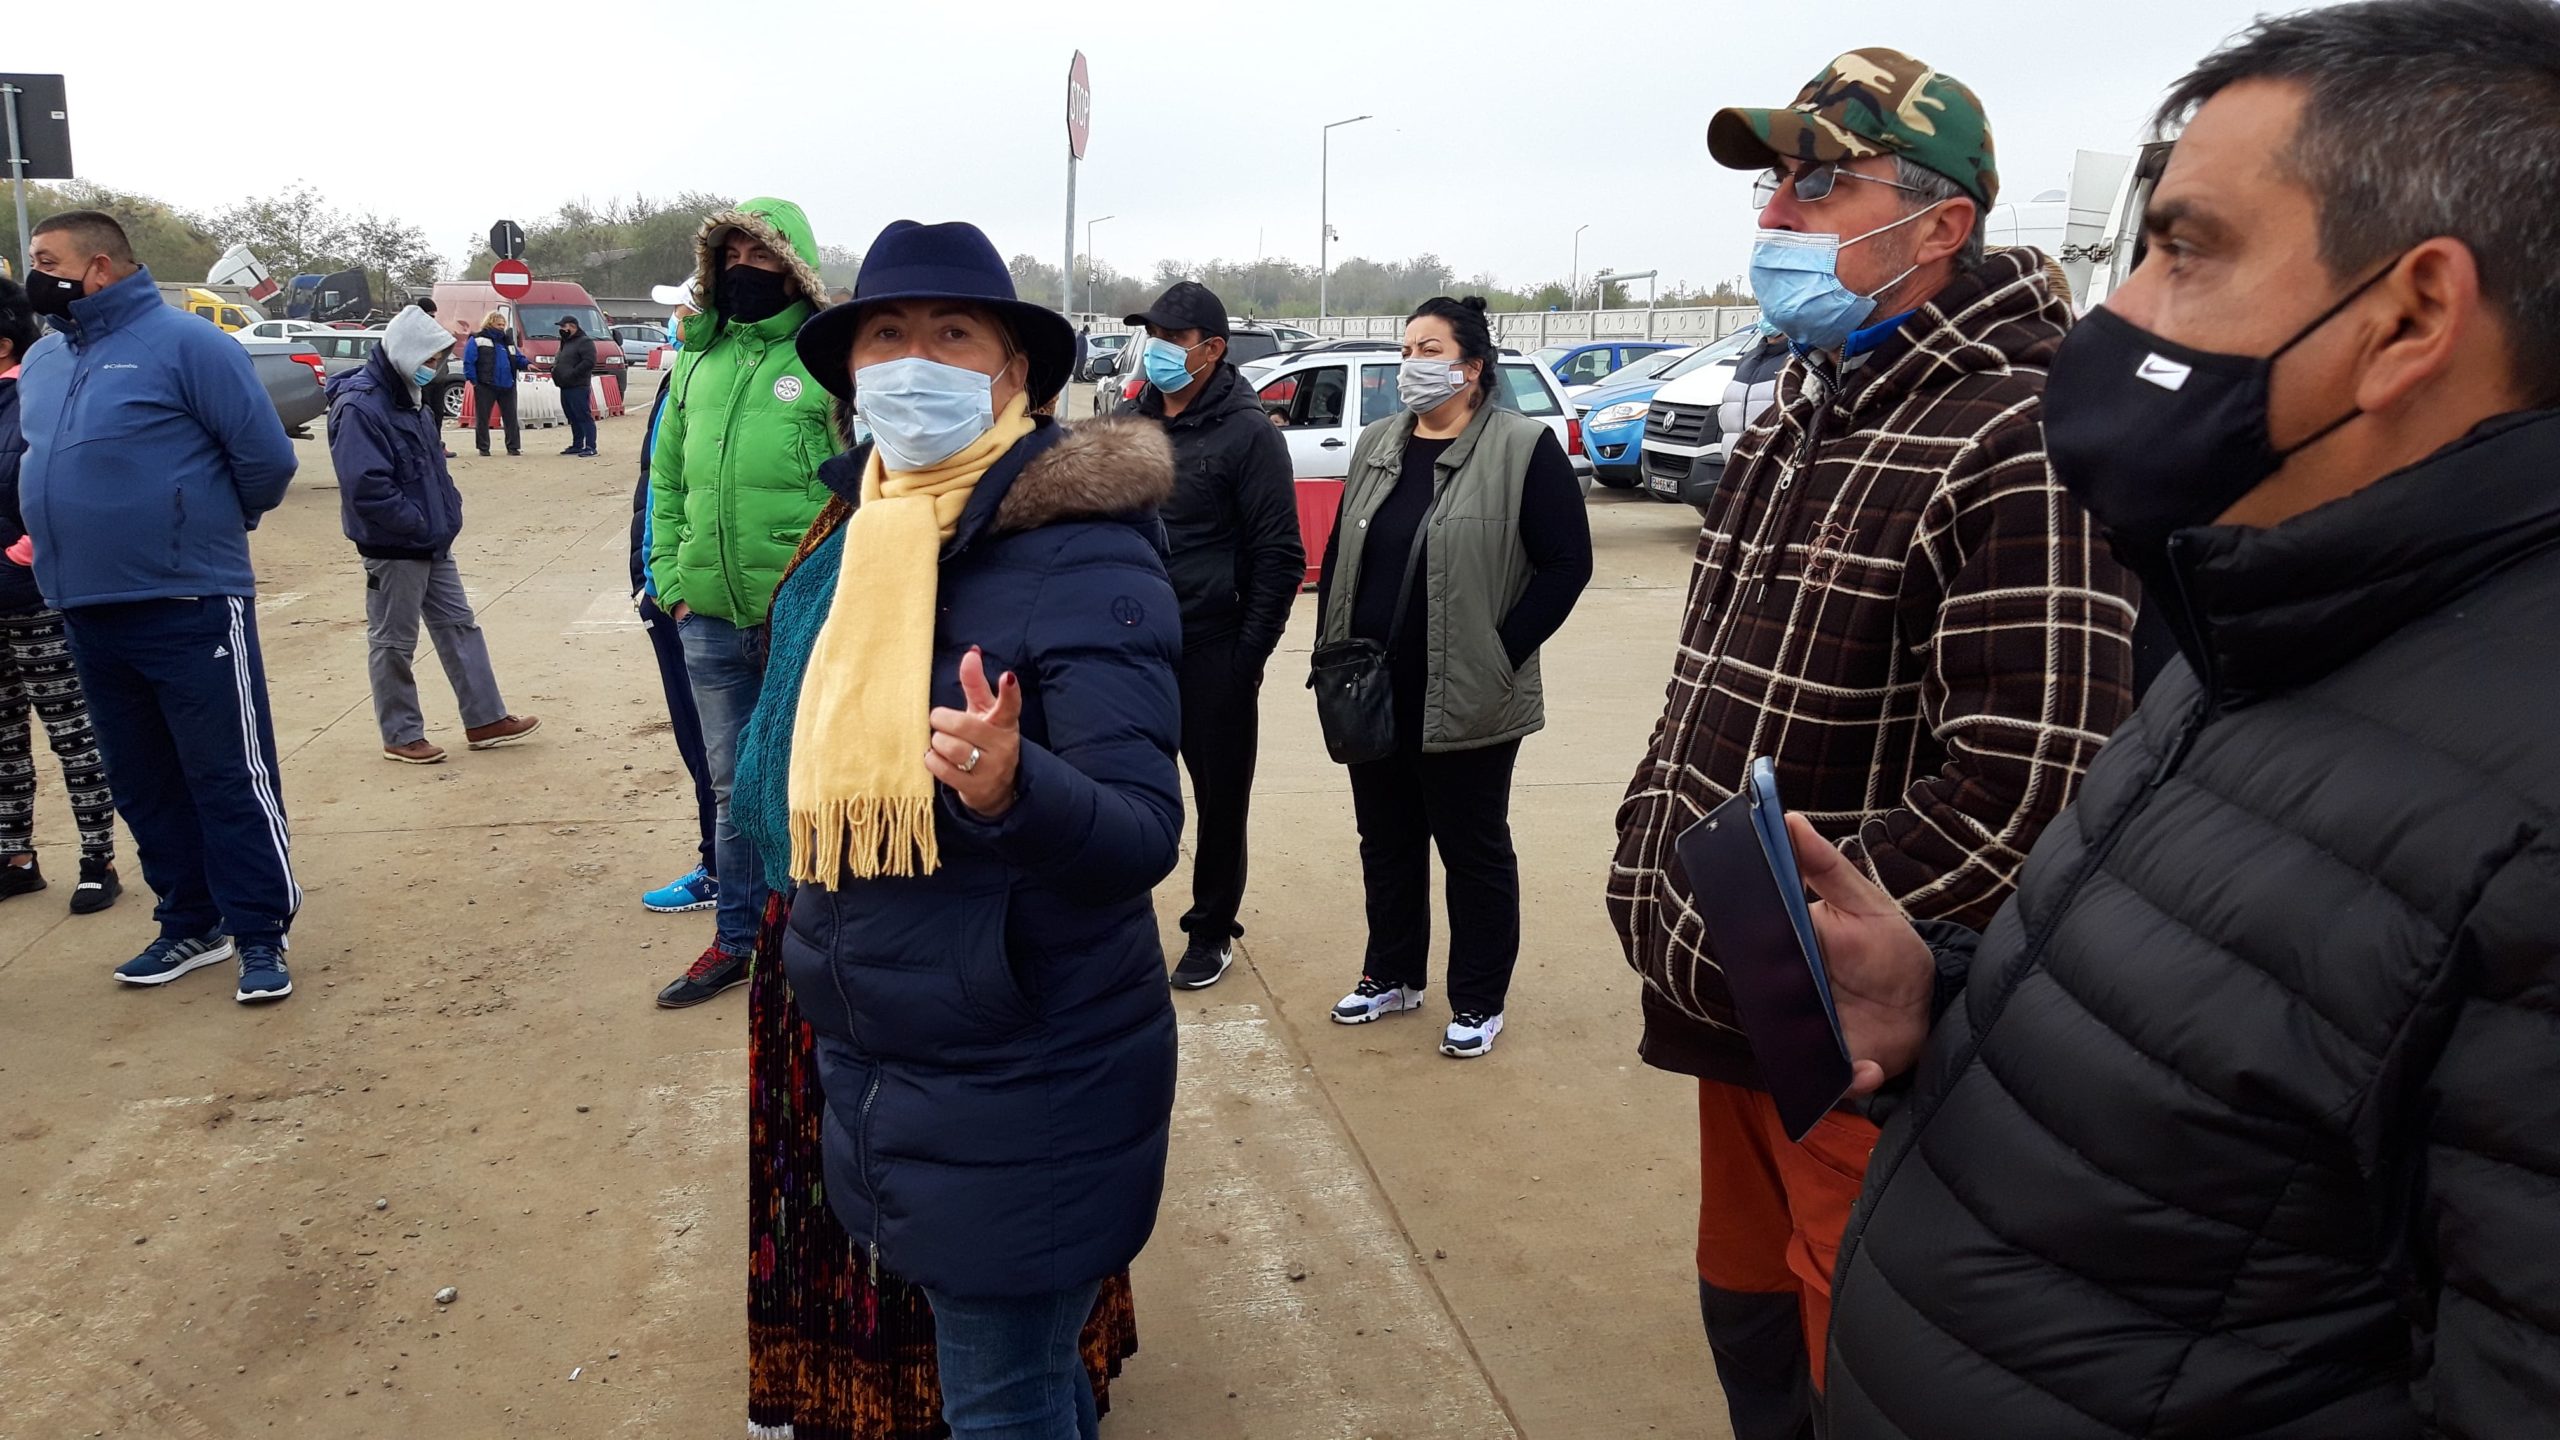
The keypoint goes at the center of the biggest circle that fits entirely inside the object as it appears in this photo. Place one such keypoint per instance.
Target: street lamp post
(1088, 258)
(1324, 214)
(1576, 297)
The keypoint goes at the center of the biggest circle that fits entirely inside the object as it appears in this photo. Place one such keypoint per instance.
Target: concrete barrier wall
(1528, 329)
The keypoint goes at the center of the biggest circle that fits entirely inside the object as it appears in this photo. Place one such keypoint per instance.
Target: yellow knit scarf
(861, 799)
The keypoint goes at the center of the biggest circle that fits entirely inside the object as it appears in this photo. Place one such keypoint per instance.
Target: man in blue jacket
(152, 450)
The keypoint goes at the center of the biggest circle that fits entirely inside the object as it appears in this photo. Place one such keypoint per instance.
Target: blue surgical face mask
(1168, 365)
(922, 412)
(1796, 278)
(426, 375)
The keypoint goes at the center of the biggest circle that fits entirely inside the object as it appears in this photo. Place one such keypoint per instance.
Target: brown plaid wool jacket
(1896, 602)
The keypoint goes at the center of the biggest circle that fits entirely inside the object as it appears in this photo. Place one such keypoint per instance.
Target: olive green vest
(1475, 571)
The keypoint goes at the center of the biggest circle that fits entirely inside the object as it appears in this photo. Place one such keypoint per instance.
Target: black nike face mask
(2153, 437)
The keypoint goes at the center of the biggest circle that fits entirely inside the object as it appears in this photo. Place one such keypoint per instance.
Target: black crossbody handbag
(1355, 697)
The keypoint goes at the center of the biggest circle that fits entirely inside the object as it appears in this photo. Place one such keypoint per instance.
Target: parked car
(294, 376)
(1685, 444)
(638, 342)
(1322, 400)
(1102, 353)
(1246, 345)
(1642, 367)
(1293, 338)
(536, 320)
(1613, 414)
(275, 329)
(1588, 362)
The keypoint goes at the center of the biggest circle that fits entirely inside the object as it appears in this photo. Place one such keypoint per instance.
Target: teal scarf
(760, 793)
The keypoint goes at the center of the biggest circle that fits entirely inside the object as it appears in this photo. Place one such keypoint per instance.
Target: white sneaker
(1471, 1034)
(1371, 999)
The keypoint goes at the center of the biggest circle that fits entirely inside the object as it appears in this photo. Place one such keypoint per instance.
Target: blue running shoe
(171, 956)
(262, 975)
(699, 890)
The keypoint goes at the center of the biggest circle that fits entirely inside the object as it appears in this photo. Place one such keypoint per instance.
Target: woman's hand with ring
(977, 751)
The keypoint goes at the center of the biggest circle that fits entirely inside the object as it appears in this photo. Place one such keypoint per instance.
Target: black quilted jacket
(2247, 1121)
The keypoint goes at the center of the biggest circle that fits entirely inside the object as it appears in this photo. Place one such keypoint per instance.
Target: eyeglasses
(1813, 183)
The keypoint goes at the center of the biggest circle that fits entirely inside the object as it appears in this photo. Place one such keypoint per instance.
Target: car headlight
(1621, 414)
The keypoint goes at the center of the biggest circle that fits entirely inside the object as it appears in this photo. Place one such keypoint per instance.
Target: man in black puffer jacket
(574, 371)
(1237, 563)
(2243, 1117)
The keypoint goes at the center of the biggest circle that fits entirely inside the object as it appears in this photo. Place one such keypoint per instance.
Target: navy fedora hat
(951, 261)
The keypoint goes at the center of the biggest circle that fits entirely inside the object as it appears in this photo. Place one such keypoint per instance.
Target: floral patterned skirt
(834, 1353)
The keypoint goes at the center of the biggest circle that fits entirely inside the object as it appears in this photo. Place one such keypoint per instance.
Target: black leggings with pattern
(35, 669)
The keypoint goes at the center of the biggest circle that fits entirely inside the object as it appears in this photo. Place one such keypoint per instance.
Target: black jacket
(1237, 559)
(575, 365)
(2247, 1119)
(18, 592)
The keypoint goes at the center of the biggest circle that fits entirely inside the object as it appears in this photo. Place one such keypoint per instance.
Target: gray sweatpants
(397, 595)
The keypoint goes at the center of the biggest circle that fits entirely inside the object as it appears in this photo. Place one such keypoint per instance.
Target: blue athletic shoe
(171, 956)
(696, 891)
(262, 975)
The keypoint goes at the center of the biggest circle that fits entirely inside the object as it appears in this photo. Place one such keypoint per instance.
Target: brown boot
(416, 752)
(502, 732)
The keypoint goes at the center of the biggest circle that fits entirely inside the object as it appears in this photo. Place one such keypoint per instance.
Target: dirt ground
(220, 1222)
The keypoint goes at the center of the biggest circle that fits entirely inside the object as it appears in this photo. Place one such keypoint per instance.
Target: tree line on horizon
(624, 246)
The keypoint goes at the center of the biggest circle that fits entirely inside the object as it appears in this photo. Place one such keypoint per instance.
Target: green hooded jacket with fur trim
(733, 482)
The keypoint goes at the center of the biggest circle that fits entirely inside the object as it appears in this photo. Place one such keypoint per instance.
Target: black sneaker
(715, 971)
(24, 879)
(1203, 965)
(98, 886)
(574, 450)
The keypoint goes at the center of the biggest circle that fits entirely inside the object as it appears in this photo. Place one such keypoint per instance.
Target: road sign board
(44, 127)
(506, 240)
(1079, 107)
(512, 279)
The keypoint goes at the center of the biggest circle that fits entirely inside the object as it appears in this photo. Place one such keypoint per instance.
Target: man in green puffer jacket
(733, 483)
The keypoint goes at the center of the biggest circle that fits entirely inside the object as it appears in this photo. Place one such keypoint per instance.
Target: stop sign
(1079, 107)
(511, 278)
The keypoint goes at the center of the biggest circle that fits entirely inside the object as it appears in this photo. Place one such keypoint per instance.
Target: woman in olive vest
(1479, 503)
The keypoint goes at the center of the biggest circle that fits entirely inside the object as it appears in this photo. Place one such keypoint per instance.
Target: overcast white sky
(1500, 125)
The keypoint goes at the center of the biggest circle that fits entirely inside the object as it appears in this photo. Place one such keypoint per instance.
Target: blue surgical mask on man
(1168, 365)
(426, 375)
(1795, 275)
(922, 412)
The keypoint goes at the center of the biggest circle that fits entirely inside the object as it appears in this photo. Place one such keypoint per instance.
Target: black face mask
(748, 294)
(51, 294)
(2154, 438)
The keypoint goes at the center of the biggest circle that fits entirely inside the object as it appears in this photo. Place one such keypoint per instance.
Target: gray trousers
(397, 595)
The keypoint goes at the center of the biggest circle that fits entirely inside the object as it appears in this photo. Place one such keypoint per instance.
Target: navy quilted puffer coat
(996, 1040)
(2247, 1119)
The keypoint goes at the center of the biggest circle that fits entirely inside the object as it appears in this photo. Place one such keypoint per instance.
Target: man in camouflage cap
(1896, 604)
(1867, 104)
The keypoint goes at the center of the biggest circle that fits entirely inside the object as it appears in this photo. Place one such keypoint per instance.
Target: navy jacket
(996, 1039)
(152, 449)
(490, 359)
(18, 593)
(396, 496)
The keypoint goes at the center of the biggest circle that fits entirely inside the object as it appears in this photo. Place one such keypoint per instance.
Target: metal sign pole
(1067, 272)
(18, 183)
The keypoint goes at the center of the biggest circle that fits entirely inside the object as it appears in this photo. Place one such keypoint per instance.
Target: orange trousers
(1771, 1211)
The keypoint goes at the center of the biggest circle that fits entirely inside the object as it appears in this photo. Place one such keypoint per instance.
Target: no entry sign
(511, 278)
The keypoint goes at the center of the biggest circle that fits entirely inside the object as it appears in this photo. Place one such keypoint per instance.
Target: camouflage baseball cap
(1868, 102)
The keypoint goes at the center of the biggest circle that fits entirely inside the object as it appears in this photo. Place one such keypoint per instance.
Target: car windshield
(1646, 366)
(1548, 355)
(542, 322)
(1724, 349)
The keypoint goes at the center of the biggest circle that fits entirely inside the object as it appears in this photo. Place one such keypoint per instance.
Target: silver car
(637, 341)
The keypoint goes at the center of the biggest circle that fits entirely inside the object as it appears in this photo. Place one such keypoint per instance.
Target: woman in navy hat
(964, 759)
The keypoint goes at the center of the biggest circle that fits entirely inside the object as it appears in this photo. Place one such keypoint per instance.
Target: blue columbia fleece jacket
(152, 449)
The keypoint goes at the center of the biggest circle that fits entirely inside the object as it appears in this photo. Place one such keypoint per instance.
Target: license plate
(1665, 486)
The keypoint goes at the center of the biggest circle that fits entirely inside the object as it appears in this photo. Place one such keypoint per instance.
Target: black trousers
(685, 721)
(490, 398)
(1462, 802)
(1221, 734)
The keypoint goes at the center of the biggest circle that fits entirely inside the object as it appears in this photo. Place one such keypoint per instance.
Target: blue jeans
(726, 667)
(577, 405)
(1010, 1367)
